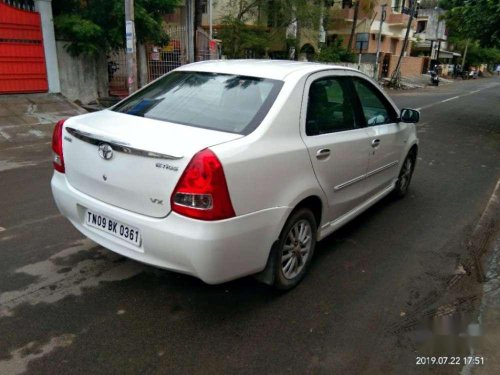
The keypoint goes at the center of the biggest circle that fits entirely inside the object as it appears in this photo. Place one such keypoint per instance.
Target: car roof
(272, 69)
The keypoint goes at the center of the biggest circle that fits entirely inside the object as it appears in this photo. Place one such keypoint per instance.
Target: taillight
(58, 160)
(202, 192)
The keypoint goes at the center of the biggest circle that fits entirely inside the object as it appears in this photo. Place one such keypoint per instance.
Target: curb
(491, 287)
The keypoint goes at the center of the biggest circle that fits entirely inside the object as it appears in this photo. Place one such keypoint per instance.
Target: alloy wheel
(405, 176)
(296, 249)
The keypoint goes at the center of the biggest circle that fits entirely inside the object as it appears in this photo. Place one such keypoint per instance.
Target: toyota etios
(232, 168)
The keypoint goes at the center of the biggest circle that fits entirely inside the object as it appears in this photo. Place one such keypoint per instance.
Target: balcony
(396, 19)
(346, 14)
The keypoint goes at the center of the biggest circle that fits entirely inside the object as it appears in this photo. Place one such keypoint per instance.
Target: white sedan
(232, 168)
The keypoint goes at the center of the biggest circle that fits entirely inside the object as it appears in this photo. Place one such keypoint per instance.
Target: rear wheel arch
(312, 203)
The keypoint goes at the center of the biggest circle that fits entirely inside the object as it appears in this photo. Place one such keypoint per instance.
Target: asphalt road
(68, 306)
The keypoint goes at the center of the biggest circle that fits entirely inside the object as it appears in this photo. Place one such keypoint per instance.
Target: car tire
(295, 249)
(405, 175)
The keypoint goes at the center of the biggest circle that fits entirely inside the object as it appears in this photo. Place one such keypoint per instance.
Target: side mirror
(411, 116)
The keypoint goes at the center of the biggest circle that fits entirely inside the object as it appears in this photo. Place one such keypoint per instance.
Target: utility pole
(382, 19)
(354, 25)
(395, 75)
(465, 53)
(210, 20)
(190, 22)
(130, 47)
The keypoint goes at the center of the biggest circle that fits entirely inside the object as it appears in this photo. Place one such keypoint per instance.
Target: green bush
(335, 53)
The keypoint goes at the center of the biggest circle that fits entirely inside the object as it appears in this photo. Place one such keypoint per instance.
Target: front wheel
(295, 249)
(405, 175)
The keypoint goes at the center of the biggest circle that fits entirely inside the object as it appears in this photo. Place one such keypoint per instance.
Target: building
(432, 39)
(396, 17)
(394, 27)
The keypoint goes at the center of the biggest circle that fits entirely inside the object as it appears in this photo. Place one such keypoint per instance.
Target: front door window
(375, 110)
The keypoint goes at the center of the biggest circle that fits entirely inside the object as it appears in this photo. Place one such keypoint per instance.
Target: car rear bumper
(215, 252)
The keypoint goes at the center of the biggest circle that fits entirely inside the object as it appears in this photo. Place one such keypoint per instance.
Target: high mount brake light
(202, 192)
(57, 148)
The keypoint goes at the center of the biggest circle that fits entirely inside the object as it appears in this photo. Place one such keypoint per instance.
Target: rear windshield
(224, 102)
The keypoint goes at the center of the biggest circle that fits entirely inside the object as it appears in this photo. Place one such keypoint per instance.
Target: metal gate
(162, 60)
(117, 73)
(206, 48)
(22, 58)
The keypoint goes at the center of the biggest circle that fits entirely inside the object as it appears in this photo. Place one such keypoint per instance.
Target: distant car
(232, 168)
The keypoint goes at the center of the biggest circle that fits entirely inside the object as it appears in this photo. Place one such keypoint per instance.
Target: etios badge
(105, 151)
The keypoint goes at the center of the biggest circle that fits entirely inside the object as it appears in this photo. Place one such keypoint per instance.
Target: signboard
(129, 36)
(362, 37)
(155, 54)
(362, 41)
(212, 45)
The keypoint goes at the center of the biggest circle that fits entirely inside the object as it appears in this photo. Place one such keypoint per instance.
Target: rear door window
(224, 102)
(329, 108)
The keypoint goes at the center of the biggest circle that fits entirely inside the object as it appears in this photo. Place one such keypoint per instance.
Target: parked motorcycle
(434, 78)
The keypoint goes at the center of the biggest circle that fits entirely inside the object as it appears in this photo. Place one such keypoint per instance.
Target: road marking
(450, 99)
(456, 97)
(5, 135)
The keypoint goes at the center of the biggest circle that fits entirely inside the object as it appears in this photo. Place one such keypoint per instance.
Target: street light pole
(382, 19)
(130, 47)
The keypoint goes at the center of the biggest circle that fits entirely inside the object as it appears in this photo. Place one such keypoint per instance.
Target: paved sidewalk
(30, 118)
(419, 82)
(26, 124)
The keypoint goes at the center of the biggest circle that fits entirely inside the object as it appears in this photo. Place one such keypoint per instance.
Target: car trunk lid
(131, 162)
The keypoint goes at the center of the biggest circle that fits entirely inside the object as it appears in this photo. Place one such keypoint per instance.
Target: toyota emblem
(105, 151)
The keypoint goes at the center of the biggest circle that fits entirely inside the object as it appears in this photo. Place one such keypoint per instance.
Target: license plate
(113, 227)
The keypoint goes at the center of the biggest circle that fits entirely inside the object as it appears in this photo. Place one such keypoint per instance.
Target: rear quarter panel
(271, 167)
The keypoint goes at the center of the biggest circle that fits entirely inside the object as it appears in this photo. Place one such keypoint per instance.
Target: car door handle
(323, 154)
(375, 142)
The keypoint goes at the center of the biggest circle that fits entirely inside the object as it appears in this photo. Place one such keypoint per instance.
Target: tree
(93, 26)
(268, 19)
(477, 55)
(477, 20)
(237, 37)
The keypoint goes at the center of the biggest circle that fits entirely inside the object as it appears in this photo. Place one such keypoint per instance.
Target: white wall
(82, 78)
